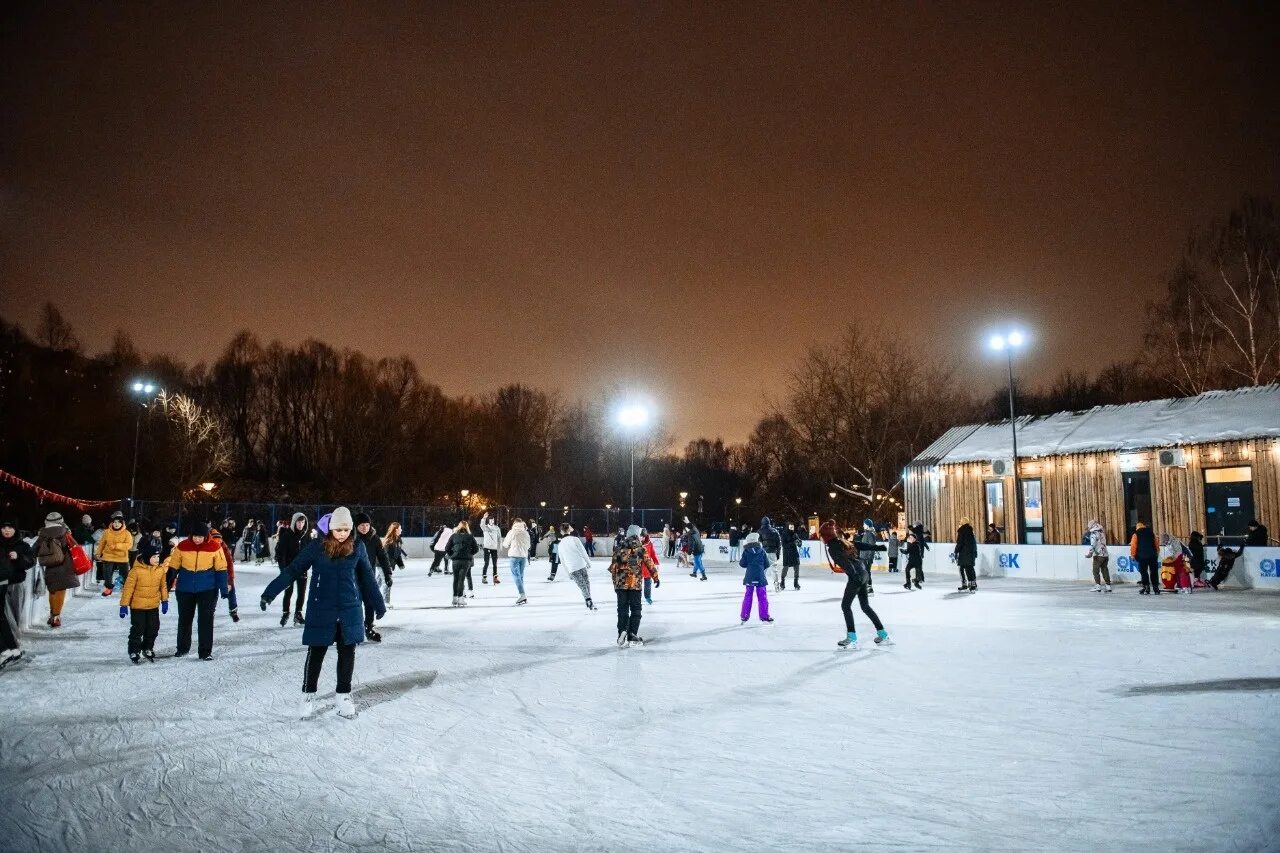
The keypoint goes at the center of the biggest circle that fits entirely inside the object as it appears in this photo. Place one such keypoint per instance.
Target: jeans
(315, 660)
(855, 586)
(648, 589)
(435, 564)
(188, 603)
(144, 626)
(517, 572)
(697, 565)
(761, 594)
(735, 553)
(629, 612)
(591, 548)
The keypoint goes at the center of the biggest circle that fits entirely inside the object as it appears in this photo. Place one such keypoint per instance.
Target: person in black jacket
(1226, 562)
(791, 539)
(915, 560)
(462, 551)
(15, 559)
(367, 536)
(856, 577)
(289, 545)
(868, 544)
(1196, 546)
(966, 553)
(1258, 535)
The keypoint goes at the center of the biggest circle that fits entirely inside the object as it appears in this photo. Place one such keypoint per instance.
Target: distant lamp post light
(208, 487)
(1007, 343)
(146, 392)
(633, 418)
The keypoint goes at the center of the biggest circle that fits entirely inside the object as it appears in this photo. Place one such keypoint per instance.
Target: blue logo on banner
(804, 552)
(1268, 568)
(1127, 565)
(1009, 561)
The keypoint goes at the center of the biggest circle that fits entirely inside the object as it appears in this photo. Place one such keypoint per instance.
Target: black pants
(301, 585)
(461, 576)
(967, 576)
(919, 570)
(435, 564)
(671, 547)
(315, 660)
(796, 569)
(554, 553)
(1220, 573)
(8, 622)
(1150, 573)
(629, 611)
(144, 627)
(490, 554)
(893, 565)
(188, 604)
(855, 586)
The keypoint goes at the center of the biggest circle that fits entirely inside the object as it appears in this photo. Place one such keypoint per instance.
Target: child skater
(649, 574)
(756, 580)
(147, 593)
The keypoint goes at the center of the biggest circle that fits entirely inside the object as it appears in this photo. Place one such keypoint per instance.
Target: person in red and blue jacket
(756, 580)
(202, 578)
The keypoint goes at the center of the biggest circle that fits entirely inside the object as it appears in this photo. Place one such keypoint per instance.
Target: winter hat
(341, 517)
(117, 514)
(198, 528)
(147, 549)
(752, 539)
(633, 532)
(322, 523)
(171, 525)
(866, 522)
(54, 517)
(363, 518)
(86, 519)
(9, 521)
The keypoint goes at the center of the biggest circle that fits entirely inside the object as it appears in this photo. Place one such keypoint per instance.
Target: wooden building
(1207, 463)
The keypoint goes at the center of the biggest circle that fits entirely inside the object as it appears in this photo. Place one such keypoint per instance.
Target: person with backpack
(15, 559)
(113, 552)
(771, 541)
(966, 554)
(517, 544)
(53, 553)
(856, 577)
(627, 568)
(756, 579)
(492, 542)
(1142, 547)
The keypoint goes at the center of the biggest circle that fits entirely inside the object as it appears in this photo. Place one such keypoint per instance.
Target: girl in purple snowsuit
(756, 580)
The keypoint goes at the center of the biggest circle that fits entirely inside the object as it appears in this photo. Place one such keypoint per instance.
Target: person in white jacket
(440, 545)
(517, 544)
(573, 556)
(492, 542)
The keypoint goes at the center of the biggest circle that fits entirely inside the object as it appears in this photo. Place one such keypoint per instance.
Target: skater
(53, 552)
(696, 550)
(517, 544)
(646, 571)
(915, 561)
(627, 568)
(1174, 555)
(552, 538)
(893, 546)
(113, 552)
(1226, 562)
(492, 542)
(589, 540)
(202, 579)
(790, 556)
(756, 580)
(534, 529)
(668, 537)
(855, 586)
(1257, 534)
(966, 554)
(440, 547)
(992, 536)
(1101, 557)
(577, 562)
(372, 542)
(1142, 547)
(771, 541)
(735, 544)
(342, 579)
(15, 559)
(867, 544)
(462, 551)
(144, 597)
(1196, 546)
(233, 609)
(289, 545)
(393, 544)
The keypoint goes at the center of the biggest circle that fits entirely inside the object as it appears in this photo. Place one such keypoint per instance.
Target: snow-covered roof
(1209, 417)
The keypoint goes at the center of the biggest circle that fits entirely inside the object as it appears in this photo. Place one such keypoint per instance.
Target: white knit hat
(752, 538)
(54, 517)
(341, 517)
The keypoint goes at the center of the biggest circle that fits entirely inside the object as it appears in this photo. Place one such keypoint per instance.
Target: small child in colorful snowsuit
(147, 594)
(756, 580)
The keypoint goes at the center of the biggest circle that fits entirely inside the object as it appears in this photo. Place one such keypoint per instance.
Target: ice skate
(622, 640)
(206, 657)
(307, 708)
(284, 618)
(882, 638)
(770, 619)
(907, 585)
(648, 601)
(298, 620)
(484, 579)
(135, 657)
(973, 587)
(635, 641)
(496, 581)
(590, 604)
(918, 586)
(1097, 587)
(106, 592)
(704, 577)
(1107, 588)
(1144, 591)
(9, 656)
(149, 655)
(522, 600)
(850, 642)
(346, 706)
(372, 635)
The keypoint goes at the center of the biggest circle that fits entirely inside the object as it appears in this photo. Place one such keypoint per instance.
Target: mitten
(124, 611)
(656, 583)
(262, 603)
(164, 607)
(235, 615)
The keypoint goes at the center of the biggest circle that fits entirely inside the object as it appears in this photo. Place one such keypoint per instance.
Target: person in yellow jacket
(113, 550)
(147, 594)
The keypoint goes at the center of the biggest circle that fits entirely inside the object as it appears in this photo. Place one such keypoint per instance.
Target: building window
(1137, 500)
(1033, 511)
(994, 498)
(1228, 503)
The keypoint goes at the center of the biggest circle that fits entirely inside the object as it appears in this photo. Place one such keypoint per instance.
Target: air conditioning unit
(1173, 458)
(1002, 468)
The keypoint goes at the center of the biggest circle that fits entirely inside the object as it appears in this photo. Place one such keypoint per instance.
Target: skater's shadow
(694, 635)
(956, 594)
(1221, 685)
(375, 693)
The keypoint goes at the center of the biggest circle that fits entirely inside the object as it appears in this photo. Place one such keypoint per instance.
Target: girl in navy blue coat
(341, 579)
(756, 580)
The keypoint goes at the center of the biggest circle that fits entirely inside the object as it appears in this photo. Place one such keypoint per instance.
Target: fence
(414, 520)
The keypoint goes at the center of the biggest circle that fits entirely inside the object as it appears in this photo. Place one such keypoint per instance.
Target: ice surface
(1031, 716)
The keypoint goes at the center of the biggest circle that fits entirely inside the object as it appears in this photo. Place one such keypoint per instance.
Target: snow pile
(1032, 715)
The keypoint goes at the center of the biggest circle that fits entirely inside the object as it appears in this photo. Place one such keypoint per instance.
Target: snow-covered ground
(1032, 716)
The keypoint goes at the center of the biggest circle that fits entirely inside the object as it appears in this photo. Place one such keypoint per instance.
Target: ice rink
(1031, 716)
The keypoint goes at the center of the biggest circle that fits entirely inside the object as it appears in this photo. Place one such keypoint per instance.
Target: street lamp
(1007, 343)
(633, 417)
(146, 391)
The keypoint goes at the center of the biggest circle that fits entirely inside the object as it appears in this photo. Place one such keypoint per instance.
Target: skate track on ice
(1031, 716)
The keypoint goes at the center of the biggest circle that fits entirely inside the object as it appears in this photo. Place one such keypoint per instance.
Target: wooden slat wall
(1084, 486)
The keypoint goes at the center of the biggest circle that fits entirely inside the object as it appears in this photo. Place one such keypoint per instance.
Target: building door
(993, 491)
(1137, 500)
(1033, 510)
(1228, 502)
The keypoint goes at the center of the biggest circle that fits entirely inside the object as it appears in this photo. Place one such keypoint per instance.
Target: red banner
(54, 497)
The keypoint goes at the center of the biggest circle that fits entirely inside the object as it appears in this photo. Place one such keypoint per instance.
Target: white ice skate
(522, 600)
(1107, 588)
(1097, 587)
(346, 706)
(308, 706)
(622, 640)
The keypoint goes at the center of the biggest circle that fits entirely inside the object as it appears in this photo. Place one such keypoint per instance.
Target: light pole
(633, 417)
(146, 391)
(1008, 343)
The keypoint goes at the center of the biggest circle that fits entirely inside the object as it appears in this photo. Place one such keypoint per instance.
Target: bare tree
(53, 331)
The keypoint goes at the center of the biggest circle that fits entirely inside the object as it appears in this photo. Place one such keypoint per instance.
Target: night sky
(681, 196)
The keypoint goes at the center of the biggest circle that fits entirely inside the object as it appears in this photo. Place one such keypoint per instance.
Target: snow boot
(284, 618)
(106, 592)
(298, 620)
(622, 640)
(346, 706)
(308, 707)
(849, 642)
(882, 638)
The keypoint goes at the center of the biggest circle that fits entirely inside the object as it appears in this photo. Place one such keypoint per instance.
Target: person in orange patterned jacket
(628, 567)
